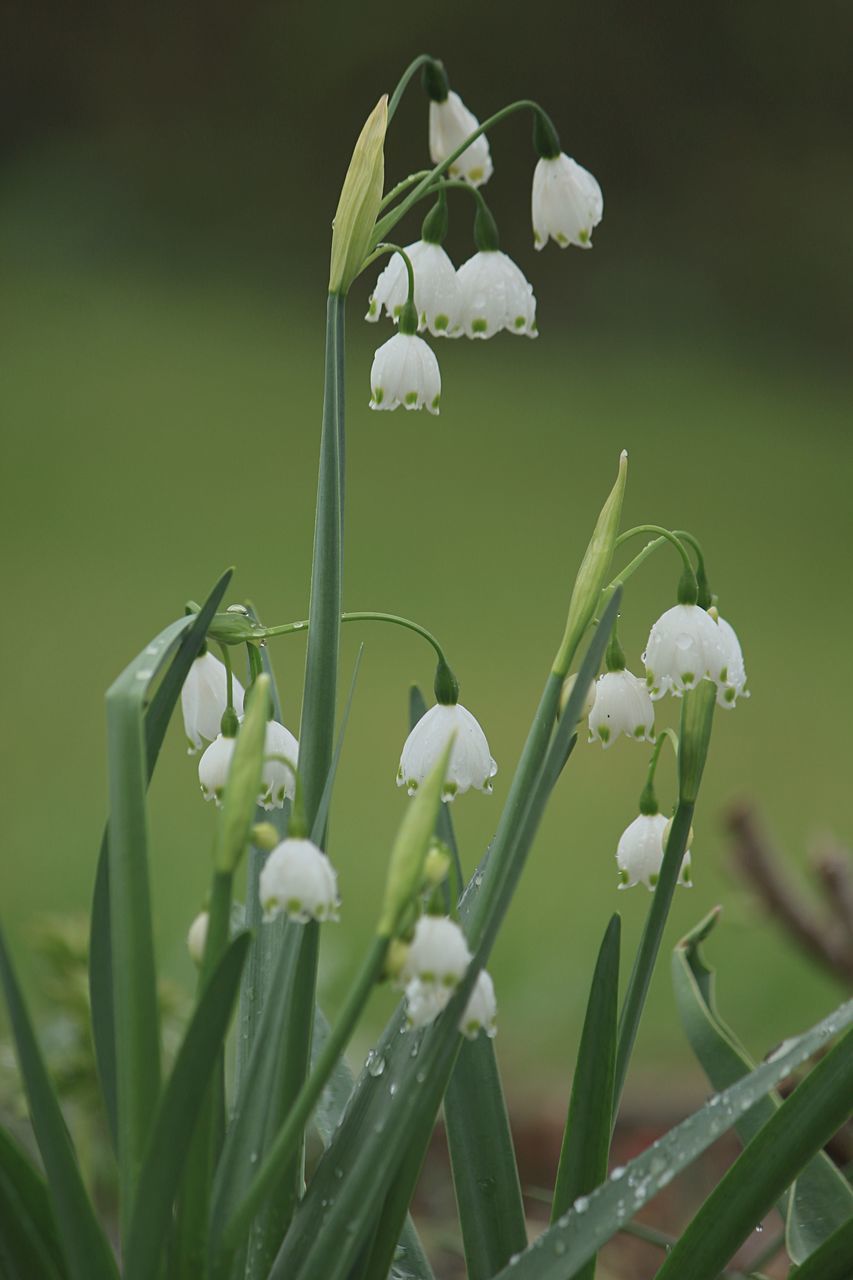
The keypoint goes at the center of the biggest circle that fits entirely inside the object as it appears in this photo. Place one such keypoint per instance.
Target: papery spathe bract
(405, 372)
(566, 203)
(471, 763)
(481, 1010)
(298, 879)
(684, 647)
(450, 123)
(622, 705)
(204, 697)
(639, 853)
(438, 953)
(733, 676)
(438, 296)
(496, 295)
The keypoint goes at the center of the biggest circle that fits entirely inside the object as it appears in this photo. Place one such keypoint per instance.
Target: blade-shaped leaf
(823, 1200)
(84, 1245)
(177, 1114)
(157, 718)
(561, 1251)
(29, 1246)
(768, 1164)
(337, 1215)
(833, 1260)
(586, 1140)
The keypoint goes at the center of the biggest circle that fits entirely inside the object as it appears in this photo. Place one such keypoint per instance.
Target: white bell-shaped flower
(197, 937)
(566, 203)
(299, 879)
(277, 779)
(471, 763)
(424, 1002)
(405, 372)
(450, 123)
(622, 705)
(213, 768)
(438, 296)
(481, 1011)
(733, 676)
(204, 698)
(684, 647)
(496, 295)
(639, 853)
(438, 953)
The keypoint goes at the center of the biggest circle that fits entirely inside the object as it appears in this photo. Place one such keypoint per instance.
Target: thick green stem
(402, 84)
(667, 534)
(289, 1136)
(316, 737)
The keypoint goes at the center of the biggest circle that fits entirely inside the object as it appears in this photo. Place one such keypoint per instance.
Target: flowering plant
(212, 1167)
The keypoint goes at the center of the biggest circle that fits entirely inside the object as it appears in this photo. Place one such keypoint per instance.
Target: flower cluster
(434, 965)
(489, 293)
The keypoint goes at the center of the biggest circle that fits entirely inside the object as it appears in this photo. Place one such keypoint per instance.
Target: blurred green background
(168, 181)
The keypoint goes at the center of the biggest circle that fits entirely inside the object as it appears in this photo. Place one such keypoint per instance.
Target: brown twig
(827, 940)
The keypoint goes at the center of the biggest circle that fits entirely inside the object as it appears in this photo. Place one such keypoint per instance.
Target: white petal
(496, 295)
(213, 768)
(684, 647)
(450, 123)
(622, 706)
(639, 854)
(204, 699)
(471, 763)
(405, 372)
(299, 879)
(481, 1009)
(566, 203)
(438, 953)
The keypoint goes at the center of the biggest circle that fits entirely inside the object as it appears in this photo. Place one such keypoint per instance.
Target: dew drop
(375, 1063)
(618, 1172)
(581, 1204)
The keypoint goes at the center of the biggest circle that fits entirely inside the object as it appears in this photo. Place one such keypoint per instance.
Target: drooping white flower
(405, 372)
(481, 1010)
(424, 1002)
(496, 295)
(438, 296)
(450, 123)
(213, 768)
(566, 203)
(438, 953)
(299, 879)
(204, 698)
(733, 676)
(622, 705)
(639, 853)
(471, 763)
(684, 647)
(197, 937)
(277, 779)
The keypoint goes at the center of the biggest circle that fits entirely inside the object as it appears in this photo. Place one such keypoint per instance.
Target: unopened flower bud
(197, 937)
(437, 864)
(395, 958)
(265, 837)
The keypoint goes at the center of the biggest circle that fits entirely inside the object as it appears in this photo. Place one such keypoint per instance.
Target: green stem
(384, 225)
(364, 615)
(705, 598)
(289, 1135)
(401, 187)
(229, 675)
(648, 792)
(644, 962)
(661, 533)
(402, 84)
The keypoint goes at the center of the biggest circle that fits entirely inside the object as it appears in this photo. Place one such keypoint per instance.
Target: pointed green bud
(697, 717)
(244, 782)
(265, 836)
(437, 864)
(413, 841)
(593, 573)
(358, 206)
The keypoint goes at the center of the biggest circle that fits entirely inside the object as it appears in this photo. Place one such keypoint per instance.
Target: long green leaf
(157, 718)
(822, 1200)
(833, 1260)
(29, 1246)
(562, 1251)
(84, 1245)
(586, 1140)
(337, 1215)
(766, 1166)
(177, 1114)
